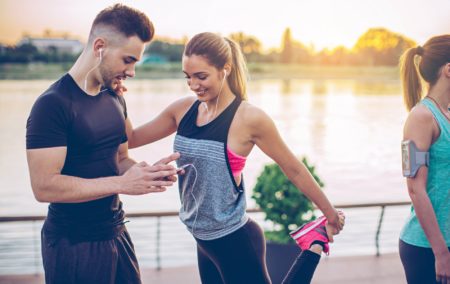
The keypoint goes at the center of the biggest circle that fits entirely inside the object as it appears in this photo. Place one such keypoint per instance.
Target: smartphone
(180, 169)
(406, 160)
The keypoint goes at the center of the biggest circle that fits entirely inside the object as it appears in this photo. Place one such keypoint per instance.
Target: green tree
(24, 53)
(171, 51)
(338, 56)
(300, 53)
(250, 45)
(282, 202)
(380, 46)
(286, 47)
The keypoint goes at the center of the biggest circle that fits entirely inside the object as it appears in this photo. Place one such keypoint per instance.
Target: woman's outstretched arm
(265, 135)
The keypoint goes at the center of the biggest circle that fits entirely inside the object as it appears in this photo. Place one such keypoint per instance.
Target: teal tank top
(438, 185)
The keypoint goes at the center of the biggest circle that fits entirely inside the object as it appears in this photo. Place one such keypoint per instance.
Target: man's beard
(107, 77)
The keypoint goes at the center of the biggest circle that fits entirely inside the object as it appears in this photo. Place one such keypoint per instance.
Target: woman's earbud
(101, 51)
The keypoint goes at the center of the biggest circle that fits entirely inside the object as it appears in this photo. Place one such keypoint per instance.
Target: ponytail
(237, 80)
(411, 82)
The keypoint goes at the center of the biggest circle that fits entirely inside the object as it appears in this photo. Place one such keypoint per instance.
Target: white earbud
(98, 64)
(225, 71)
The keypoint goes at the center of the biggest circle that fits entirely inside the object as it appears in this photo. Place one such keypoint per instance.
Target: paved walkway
(385, 269)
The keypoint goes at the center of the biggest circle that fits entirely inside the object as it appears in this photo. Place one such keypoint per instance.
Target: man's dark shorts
(101, 262)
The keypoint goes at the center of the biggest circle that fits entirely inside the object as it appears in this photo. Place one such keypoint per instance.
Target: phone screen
(406, 163)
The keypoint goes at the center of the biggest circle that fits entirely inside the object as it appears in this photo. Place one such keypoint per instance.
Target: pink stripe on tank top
(237, 162)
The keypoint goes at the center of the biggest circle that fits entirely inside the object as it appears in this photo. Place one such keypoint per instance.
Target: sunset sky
(322, 23)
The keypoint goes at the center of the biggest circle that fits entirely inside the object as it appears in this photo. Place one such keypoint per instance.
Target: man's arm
(123, 160)
(49, 185)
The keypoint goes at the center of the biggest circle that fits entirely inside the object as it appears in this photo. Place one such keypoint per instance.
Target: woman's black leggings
(418, 262)
(240, 257)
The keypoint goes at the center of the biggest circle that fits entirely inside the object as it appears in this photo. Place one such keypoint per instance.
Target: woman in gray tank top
(209, 126)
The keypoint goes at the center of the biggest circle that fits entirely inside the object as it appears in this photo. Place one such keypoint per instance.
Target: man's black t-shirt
(92, 128)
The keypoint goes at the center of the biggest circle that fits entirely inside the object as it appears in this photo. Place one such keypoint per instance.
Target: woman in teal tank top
(425, 237)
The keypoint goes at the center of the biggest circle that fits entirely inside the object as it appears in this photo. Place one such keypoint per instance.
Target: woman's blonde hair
(219, 51)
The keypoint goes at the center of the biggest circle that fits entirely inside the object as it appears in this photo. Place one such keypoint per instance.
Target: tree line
(376, 47)
(27, 53)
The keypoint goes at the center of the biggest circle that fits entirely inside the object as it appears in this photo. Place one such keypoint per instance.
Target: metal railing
(33, 238)
(380, 219)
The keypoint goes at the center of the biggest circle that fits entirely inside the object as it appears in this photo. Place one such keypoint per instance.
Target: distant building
(63, 45)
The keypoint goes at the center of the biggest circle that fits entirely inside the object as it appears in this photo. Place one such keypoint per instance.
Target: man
(78, 160)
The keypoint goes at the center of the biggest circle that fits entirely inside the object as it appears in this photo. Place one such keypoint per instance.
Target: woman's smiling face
(203, 78)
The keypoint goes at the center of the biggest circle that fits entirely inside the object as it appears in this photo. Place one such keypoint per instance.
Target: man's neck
(79, 73)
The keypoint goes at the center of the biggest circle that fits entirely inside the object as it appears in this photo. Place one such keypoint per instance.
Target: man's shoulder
(57, 93)
(47, 123)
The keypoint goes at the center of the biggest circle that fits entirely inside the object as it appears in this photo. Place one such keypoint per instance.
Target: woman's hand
(443, 268)
(335, 224)
(165, 161)
(119, 89)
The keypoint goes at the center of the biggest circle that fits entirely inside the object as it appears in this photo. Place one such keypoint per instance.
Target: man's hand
(143, 178)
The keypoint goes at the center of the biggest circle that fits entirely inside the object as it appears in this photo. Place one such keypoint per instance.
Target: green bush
(282, 202)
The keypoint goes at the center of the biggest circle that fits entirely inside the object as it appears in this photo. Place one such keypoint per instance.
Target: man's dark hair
(125, 20)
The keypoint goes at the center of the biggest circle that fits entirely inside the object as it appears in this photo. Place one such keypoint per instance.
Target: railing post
(377, 236)
(158, 243)
(36, 239)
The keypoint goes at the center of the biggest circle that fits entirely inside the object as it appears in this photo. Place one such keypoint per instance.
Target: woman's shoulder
(420, 114)
(420, 123)
(253, 115)
(186, 100)
(183, 103)
(180, 107)
(249, 109)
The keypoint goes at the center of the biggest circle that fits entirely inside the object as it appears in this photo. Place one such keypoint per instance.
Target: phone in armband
(412, 158)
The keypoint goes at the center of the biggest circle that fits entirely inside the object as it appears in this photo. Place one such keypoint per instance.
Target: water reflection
(319, 105)
(319, 87)
(349, 129)
(384, 87)
(286, 87)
